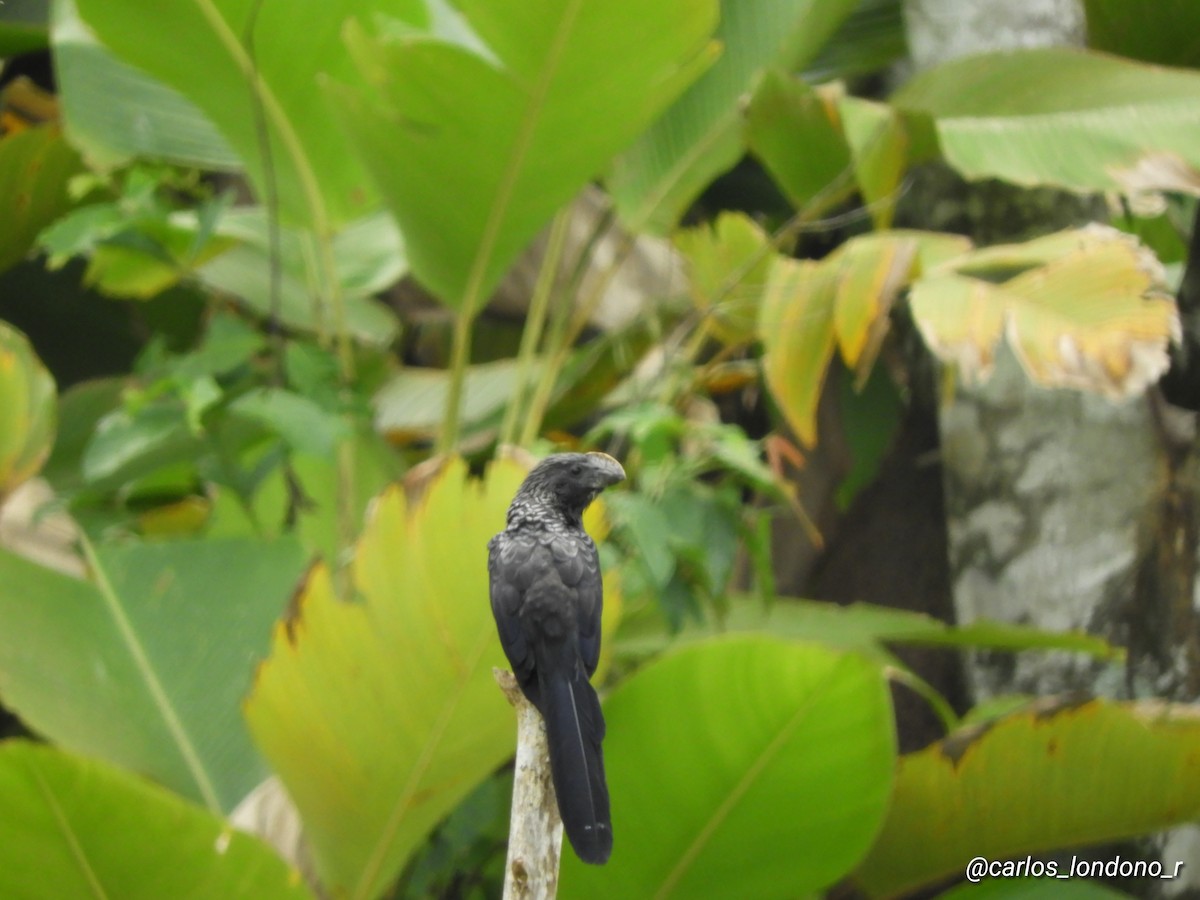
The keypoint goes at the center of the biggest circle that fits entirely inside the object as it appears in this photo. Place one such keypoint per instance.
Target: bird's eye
(576, 469)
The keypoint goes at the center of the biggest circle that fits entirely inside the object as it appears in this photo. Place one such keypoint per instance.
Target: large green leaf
(200, 50)
(1071, 118)
(475, 148)
(381, 714)
(27, 410)
(147, 665)
(1005, 887)
(35, 166)
(1165, 32)
(113, 111)
(1028, 783)
(700, 137)
(861, 627)
(870, 40)
(744, 767)
(74, 827)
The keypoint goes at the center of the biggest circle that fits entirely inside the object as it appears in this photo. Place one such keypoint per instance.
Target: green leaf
(864, 628)
(380, 714)
(146, 666)
(1027, 784)
(200, 50)
(134, 247)
(325, 513)
(22, 37)
(79, 232)
(650, 532)
(300, 422)
(870, 40)
(700, 529)
(708, 751)
(796, 132)
(1044, 888)
(1163, 32)
(74, 827)
(80, 409)
(700, 137)
(229, 343)
(412, 403)
(879, 145)
(1088, 311)
(35, 166)
(368, 256)
(114, 112)
(1070, 118)
(871, 416)
(28, 411)
(475, 150)
(821, 146)
(128, 444)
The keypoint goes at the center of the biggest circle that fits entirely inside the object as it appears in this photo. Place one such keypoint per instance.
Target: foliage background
(288, 300)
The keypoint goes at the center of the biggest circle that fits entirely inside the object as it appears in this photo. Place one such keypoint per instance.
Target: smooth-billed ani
(546, 597)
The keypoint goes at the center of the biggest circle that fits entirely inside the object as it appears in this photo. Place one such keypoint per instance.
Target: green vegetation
(264, 598)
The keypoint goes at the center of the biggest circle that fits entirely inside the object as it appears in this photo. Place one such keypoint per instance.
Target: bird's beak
(608, 469)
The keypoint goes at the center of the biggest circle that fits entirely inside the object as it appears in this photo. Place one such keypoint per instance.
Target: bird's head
(570, 480)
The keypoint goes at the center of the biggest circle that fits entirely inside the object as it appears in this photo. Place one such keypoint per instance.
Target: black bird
(546, 597)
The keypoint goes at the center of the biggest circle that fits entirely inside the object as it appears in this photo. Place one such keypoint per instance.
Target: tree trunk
(1065, 511)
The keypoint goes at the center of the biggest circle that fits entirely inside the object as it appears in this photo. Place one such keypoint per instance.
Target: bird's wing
(507, 554)
(578, 566)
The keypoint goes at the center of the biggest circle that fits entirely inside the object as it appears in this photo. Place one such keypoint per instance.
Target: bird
(547, 596)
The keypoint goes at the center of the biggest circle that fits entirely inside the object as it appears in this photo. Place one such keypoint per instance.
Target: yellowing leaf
(961, 320)
(728, 263)
(796, 327)
(380, 714)
(809, 307)
(1085, 310)
(874, 269)
(35, 166)
(1029, 782)
(27, 411)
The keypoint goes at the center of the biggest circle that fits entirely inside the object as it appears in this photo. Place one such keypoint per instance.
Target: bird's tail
(574, 730)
